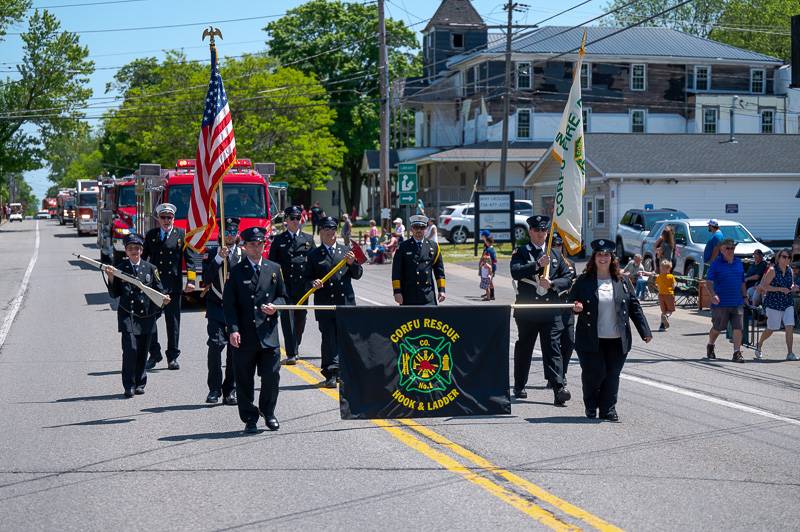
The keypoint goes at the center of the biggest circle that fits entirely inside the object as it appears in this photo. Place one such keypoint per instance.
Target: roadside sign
(407, 178)
(731, 208)
(279, 184)
(495, 212)
(407, 198)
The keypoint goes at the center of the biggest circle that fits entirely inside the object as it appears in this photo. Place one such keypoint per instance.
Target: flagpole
(211, 31)
(516, 306)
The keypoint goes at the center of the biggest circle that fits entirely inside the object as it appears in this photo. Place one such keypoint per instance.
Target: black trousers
(268, 361)
(293, 324)
(600, 375)
(330, 346)
(216, 343)
(550, 333)
(567, 340)
(134, 358)
(172, 318)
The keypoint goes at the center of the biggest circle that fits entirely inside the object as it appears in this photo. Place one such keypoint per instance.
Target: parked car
(691, 236)
(43, 215)
(634, 226)
(457, 222)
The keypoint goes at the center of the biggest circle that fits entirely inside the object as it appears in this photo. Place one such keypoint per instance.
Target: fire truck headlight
(122, 231)
(86, 216)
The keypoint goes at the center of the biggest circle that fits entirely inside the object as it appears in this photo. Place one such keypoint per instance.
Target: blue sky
(112, 49)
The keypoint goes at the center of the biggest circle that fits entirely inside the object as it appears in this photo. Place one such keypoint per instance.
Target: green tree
(279, 115)
(337, 42)
(10, 12)
(760, 25)
(696, 18)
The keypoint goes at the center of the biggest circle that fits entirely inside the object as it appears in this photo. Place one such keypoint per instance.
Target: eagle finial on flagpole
(211, 32)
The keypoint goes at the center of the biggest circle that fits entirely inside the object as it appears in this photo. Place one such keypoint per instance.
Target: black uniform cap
(329, 222)
(603, 244)
(254, 234)
(539, 221)
(231, 224)
(557, 239)
(294, 210)
(133, 238)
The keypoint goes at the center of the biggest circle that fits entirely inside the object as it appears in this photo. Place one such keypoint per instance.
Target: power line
(86, 4)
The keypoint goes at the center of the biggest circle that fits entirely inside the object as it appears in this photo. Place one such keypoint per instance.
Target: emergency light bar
(186, 163)
(242, 163)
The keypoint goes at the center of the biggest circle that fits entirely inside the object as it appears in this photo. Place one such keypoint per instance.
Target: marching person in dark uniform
(136, 314)
(215, 314)
(338, 290)
(604, 303)
(527, 269)
(567, 316)
(417, 264)
(255, 284)
(290, 249)
(164, 248)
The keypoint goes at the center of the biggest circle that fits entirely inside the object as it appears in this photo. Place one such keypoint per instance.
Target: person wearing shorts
(728, 295)
(665, 282)
(778, 286)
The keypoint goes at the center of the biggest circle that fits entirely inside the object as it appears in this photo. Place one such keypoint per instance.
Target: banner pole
(525, 306)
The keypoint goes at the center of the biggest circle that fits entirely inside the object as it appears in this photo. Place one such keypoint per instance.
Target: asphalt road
(702, 445)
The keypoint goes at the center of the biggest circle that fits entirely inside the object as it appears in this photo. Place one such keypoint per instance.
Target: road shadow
(107, 397)
(90, 245)
(210, 436)
(98, 298)
(562, 420)
(526, 402)
(92, 423)
(82, 265)
(67, 235)
(103, 373)
(180, 408)
(298, 387)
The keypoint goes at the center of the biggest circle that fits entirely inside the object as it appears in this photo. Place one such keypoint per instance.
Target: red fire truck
(116, 217)
(49, 204)
(65, 206)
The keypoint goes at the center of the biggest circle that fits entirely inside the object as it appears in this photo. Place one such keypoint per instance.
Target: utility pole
(510, 7)
(383, 73)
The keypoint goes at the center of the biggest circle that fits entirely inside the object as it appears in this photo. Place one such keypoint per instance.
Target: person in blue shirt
(728, 294)
(712, 246)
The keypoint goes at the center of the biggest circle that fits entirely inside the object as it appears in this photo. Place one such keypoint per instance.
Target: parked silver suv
(634, 226)
(457, 222)
(691, 236)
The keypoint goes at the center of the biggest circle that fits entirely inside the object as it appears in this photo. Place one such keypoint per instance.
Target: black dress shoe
(212, 397)
(291, 361)
(611, 416)
(151, 363)
(330, 382)
(272, 423)
(231, 399)
(591, 413)
(250, 428)
(139, 390)
(561, 395)
(173, 364)
(520, 394)
(128, 393)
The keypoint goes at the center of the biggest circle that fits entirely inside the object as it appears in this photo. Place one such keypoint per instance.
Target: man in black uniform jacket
(338, 290)
(215, 314)
(290, 249)
(136, 314)
(416, 264)
(254, 285)
(164, 248)
(527, 269)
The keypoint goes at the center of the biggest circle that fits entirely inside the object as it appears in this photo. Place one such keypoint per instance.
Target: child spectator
(486, 276)
(373, 235)
(665, 282)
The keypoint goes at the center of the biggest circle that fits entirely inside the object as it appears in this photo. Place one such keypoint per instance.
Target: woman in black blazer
(604, 303)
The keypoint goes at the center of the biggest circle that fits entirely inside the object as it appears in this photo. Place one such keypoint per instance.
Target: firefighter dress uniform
(215, 316)
(338, 290)
(547, 325)
(250, 286)
(291, 250)
(165, 251)
(136, 318)
(416, 266)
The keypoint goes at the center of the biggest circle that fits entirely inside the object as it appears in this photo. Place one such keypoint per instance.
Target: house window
(523, 123)
(599, 211)
(586, 76)
(587, 118)
(457, 40)
(524, 76)
(757, 77)
(710, 117)
(702, 78)
(638, 121)
(767, 120)
(638, 77)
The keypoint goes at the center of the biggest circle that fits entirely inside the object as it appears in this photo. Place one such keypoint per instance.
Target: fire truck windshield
(87, 199)
(241, 200)
(127, 196)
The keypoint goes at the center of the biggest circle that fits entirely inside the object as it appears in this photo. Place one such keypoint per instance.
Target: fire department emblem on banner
(425, 364)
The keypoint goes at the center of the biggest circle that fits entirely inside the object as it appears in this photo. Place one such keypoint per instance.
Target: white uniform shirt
(607, 325)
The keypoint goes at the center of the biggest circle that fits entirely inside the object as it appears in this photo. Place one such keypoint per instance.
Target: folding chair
(686, 292)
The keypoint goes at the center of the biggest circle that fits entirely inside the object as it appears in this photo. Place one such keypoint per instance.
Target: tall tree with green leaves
(337, 42)
(760, 25)
(279, 115)
(696, 18)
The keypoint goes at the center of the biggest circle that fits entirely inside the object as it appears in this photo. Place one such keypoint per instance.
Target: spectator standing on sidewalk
(635, 273)
(347, 229)
(485, 268)
(399, 229)
(665, 282)
(728, 295)
(779, 286)
(431, 232)
(488, 247)
(665, 245)
(712, 246)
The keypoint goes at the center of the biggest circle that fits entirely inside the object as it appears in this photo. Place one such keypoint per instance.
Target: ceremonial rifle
(155, 296)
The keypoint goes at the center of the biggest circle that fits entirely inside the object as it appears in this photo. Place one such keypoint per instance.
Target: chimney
(796, 52)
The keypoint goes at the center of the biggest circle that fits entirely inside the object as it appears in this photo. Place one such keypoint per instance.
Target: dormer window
(457, 40)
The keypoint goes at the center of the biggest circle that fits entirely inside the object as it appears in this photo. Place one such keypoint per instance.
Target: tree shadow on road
(561, 420)
(298, 387)
(67, 235)
(103, 373)
(93, 422)
(107, 397)
(209, 436)
(180, 408)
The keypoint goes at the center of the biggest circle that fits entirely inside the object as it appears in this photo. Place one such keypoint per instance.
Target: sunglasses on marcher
(165, 217)
(294, 217)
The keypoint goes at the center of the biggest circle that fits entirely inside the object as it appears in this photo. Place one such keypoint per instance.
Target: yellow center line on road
(534, 511)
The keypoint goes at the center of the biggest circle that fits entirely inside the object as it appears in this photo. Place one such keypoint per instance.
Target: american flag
(216, 152)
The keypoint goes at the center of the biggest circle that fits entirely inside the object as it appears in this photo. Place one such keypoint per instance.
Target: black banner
(400, 362)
